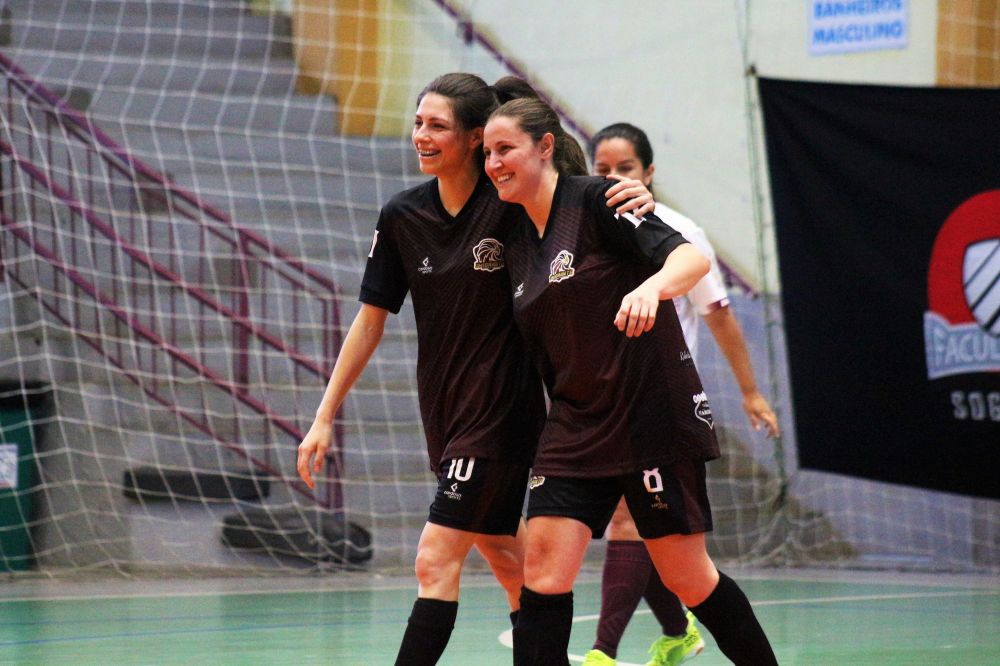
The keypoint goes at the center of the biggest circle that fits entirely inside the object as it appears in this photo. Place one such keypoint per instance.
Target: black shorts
(663, 500)
(480, 495)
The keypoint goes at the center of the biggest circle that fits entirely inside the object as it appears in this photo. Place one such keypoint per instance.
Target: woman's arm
(684, 266)
(361, 341)
(728, 334)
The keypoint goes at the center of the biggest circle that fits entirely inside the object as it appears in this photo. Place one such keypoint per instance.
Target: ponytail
(569, 158)
(510, 87)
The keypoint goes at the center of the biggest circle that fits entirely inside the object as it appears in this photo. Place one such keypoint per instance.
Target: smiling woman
(442, 242)
(481, 415)
(628, 413)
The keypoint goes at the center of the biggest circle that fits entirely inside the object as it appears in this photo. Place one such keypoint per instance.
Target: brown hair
(473, 100)
(536, 119)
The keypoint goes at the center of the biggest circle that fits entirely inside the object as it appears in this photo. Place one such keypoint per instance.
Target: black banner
(887, 215)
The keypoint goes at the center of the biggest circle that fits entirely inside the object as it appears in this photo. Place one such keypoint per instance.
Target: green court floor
(357, 619)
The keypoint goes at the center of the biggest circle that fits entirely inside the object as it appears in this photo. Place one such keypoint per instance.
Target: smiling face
(443, 147)
(617, 156)
(514, 161)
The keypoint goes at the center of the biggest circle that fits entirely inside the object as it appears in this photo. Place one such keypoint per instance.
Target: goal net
(187, 194)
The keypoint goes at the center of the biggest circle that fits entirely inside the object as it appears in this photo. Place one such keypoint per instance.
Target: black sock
(427, 632)
(541, 637)
(513, 618)
(728, 615)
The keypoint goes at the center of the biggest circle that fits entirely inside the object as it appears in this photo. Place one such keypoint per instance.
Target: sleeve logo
(488, 255)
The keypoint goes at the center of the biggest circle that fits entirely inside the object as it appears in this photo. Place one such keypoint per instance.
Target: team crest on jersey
(561, 267)
(488, 254)
(701, 409)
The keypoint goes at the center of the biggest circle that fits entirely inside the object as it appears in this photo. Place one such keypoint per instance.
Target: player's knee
(544, 576)
(691, 585)
(433, 566)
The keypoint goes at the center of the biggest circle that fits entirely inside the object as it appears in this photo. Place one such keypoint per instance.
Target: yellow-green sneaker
(673, 650)
(597, 658)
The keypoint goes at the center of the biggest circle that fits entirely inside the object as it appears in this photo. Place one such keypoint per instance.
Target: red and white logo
(962, 321)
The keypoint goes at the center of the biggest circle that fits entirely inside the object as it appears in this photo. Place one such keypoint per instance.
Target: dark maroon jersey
(619, 404)
(479, 395)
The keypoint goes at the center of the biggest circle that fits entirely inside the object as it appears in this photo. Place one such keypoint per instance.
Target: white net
(188, 196)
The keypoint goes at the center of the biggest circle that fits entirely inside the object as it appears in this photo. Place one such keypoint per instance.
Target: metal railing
(212, 321)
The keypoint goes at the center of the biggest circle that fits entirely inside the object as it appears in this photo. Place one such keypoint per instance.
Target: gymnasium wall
(674, 68)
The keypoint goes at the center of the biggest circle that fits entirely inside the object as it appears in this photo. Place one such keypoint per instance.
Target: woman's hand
(637, 313)
(312, 451)
(633, 196)
(760, 413)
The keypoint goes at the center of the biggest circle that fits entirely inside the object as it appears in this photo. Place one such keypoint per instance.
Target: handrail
(33, 88)
(111, 306)
(143, 259)
(69, 248)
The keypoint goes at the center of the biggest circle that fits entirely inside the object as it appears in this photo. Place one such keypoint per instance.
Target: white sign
(846, 26)
(8, 465)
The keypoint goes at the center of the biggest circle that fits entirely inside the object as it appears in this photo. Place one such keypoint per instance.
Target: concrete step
(127, 31)
(235, 182)
(114, 107)
(157, 11)
(223, 76)
(180, 147)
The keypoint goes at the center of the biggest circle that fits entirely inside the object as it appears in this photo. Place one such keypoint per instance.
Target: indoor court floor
(812, 617)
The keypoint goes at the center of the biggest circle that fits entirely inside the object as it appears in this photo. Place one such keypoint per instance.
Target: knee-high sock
(627, 569)
(427, 632)
(665, 606)
(728, 615)
(541, 637)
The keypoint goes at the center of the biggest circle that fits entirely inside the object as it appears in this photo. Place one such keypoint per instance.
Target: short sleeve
(646, 240)
(384, 284)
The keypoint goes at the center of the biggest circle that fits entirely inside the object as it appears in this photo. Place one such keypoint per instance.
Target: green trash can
(21, 409)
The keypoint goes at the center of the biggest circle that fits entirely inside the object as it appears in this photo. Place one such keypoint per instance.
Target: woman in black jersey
(628, 414)
(481, 403)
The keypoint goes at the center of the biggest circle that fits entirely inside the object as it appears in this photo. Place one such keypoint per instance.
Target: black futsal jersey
(479, 395)
(619, 404)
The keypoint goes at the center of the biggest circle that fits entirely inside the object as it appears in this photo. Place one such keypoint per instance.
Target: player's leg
(505, 555)
(457, 517)
(501, 528)
(627, 577)
(441, 554)
(672, 513)
(626, 574)
(714, 598)
(680, 640)
(554, 553)
(563, 516)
